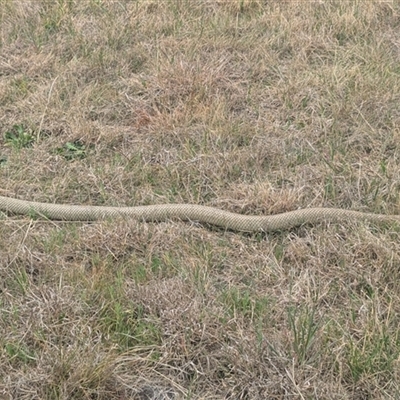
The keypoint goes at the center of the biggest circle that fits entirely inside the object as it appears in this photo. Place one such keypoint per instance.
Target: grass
(251, 106)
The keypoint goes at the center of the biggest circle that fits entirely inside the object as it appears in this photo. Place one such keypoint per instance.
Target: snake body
(192, 212)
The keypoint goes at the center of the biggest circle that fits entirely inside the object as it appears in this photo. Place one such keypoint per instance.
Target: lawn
(255, 107)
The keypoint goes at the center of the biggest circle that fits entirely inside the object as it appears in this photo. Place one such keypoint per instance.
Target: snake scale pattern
(192, 212)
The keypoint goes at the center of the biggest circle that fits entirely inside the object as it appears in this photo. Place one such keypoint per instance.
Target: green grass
(250, 106)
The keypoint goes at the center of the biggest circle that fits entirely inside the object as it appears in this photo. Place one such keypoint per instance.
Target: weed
(75, 150)
(19, 137)
(19, 353)
(304, 328)
(242, 302)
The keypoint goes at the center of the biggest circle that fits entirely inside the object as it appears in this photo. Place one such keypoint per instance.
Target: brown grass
(251, 106)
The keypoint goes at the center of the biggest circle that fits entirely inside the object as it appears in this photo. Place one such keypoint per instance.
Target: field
(255, 107)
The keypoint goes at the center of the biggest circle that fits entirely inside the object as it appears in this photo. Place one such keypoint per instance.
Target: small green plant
(303, 326)
(19, 353)
(128, 327)
(75, 150)
(376, 353)
(243, 302)
(19, 137)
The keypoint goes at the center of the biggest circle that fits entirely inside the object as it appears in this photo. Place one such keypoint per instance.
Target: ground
(256, 107)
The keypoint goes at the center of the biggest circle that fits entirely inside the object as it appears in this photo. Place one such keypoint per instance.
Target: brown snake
(191, 212)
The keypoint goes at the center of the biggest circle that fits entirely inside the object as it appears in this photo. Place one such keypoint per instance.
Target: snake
(192, 212)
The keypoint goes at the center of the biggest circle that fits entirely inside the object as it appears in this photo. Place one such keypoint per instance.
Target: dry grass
(251, 106)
